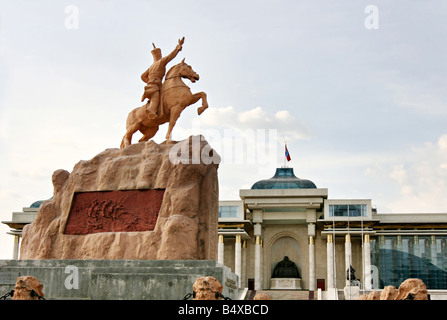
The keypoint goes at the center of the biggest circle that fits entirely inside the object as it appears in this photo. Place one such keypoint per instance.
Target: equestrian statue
(166, 99)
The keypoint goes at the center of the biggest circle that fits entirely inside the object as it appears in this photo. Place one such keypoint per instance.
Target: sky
(357, 90)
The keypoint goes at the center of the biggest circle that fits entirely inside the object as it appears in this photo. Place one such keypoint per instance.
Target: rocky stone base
(146, 201)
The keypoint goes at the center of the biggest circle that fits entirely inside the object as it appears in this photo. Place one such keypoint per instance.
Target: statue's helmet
(156, 53)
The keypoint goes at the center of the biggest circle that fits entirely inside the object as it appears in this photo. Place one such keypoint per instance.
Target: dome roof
(36, 204)
(284, 178)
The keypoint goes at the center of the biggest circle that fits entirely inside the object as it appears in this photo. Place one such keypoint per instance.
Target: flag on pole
(288, 154)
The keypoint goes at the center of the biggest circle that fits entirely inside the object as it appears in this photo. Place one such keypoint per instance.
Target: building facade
(287, 216)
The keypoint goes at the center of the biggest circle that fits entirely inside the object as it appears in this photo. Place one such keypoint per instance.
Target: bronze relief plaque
(114, 211)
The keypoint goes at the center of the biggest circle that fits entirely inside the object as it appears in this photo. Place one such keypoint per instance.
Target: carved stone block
(285, 283)
(114, 211)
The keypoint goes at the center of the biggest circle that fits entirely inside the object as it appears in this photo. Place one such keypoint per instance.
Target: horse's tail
(123, 144)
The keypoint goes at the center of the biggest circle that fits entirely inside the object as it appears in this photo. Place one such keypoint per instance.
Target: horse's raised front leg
(196, 97)
(175, 114)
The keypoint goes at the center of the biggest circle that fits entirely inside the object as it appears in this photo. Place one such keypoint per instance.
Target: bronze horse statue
(175, 96)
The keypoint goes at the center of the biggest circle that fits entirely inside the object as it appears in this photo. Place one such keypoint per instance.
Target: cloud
(442, 143)
(283, 115)
(257, 118)
(256, 115)
(399, 174)
(419, 175)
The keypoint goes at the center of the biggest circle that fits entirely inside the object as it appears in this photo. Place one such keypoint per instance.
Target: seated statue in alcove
(286, 269)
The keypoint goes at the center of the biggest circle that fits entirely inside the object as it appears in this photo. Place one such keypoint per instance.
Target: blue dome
(284, 178)
(36, 204)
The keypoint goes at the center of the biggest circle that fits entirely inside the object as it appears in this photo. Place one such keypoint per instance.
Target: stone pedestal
(351, 292)
(139, 202)
(117, 279)
(285, 284)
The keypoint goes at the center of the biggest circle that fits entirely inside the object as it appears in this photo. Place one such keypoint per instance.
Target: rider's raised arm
(174, 53)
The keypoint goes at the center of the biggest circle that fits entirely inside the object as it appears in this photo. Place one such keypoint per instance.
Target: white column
(237, 259)
(367, 259)
(258, 278)
(312, 279)
(244, 265)
(347, 256)
(263, 278)
(220, 250)
(330, 262)
(15, 252)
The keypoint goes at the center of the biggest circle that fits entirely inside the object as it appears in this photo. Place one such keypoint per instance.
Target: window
(228, 211)
(342, 210)
(410, 256)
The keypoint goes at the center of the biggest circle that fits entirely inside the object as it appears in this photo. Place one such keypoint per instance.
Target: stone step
(286, 294)
(117, 279)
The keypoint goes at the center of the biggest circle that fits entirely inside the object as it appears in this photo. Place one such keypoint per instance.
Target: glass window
(410, 256)
(228, 211)
(342, 210)
(355, 210)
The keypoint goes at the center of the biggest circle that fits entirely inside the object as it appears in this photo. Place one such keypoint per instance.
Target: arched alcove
(285, 244)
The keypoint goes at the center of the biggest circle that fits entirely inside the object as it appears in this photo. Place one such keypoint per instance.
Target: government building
(286, 216)
(285, 233)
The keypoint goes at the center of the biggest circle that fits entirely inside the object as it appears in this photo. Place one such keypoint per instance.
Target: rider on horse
(153, 78)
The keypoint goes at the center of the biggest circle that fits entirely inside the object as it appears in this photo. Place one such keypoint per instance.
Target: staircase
(284, 294)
